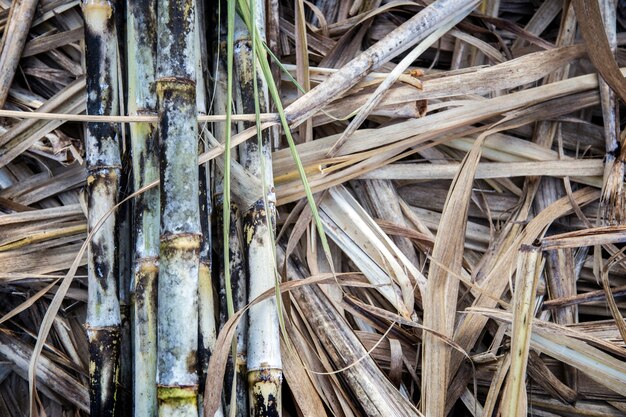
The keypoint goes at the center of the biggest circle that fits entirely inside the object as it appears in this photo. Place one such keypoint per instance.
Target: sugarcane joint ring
(112, 329)
(175, 83)
(104, 168)
(265, 375)
(182, 392)
(181, 241)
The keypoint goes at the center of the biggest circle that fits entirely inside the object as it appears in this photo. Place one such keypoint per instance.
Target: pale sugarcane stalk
(236, 367)
(177, 329)
(264, 362)
(141, 31)
(103, 165)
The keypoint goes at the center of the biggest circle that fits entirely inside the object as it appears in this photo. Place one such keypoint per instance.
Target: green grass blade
(230, 46)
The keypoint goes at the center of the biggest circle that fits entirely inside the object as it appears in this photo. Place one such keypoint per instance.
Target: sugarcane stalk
(124, 282)
(207, 335)
(177, 329)
(141, 32)
(236, 366)
(264, 362)
(103, 166)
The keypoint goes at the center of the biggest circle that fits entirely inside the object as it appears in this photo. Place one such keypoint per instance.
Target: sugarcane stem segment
(265, 392)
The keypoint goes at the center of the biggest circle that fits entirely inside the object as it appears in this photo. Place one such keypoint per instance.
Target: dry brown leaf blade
(598, 48)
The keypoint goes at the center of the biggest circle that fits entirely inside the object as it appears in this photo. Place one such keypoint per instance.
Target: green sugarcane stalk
(264, 362)
(103, 165)
(141, 29)
(177, 377)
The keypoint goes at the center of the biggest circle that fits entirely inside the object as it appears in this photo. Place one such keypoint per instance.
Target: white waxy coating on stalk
(141, 64)
(178, 331)
(103, 165)
(105, 307)
(177, 377)
(102, 154)
(263, 331)
(141, 22)
(178, 410)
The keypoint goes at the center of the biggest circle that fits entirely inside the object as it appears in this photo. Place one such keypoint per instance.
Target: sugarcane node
(145, 281)
(103, 132)
(103, 182)
(164, 84)
(265, 374)
(147, 265)
(265, 392)
(183, 241)
(176, 395)
(88, 327)
(104, 170)
(185, 247)
(97, 4)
